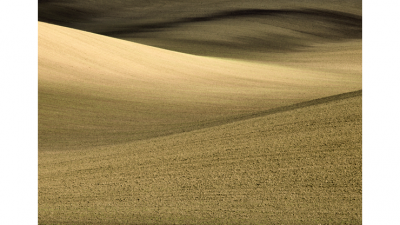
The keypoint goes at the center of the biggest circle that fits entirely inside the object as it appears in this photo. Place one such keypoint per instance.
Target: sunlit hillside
(200, 112)
(96, 90)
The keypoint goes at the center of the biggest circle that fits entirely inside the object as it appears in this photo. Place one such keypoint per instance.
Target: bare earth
(96, 90)
(210, 112)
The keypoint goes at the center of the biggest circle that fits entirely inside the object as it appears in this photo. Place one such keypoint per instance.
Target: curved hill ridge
(301, 166)
(348, 26)
(97, 90)
(251, 30)
(242, 112)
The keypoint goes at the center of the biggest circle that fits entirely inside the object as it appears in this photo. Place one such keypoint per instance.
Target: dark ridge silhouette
(64, 13)
(345, 21)
(76, 15)
(311, 25)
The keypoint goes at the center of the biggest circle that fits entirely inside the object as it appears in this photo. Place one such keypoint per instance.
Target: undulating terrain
(222, 28)
(210, 112)
(301, 166)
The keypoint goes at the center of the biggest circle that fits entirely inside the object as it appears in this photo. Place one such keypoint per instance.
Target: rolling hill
(299, 166)
(250, 30)
(97, 90)
(200, 112)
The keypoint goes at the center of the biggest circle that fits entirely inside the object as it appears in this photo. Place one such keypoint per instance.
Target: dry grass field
(210, 112)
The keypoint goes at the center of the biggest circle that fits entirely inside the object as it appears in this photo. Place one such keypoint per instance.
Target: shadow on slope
(348, 25)
(237, 33)
(96, 90)
(215, 28)
(313, 102)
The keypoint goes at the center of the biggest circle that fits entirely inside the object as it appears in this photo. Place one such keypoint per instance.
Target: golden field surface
(96, 90)
(300, 166)
(210, 112)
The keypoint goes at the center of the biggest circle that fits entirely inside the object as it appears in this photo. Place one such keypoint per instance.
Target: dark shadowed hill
(217, 28)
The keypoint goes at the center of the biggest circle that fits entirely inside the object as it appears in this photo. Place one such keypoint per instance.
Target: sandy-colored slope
(220, 28)
(301, 166)
(96, 90)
